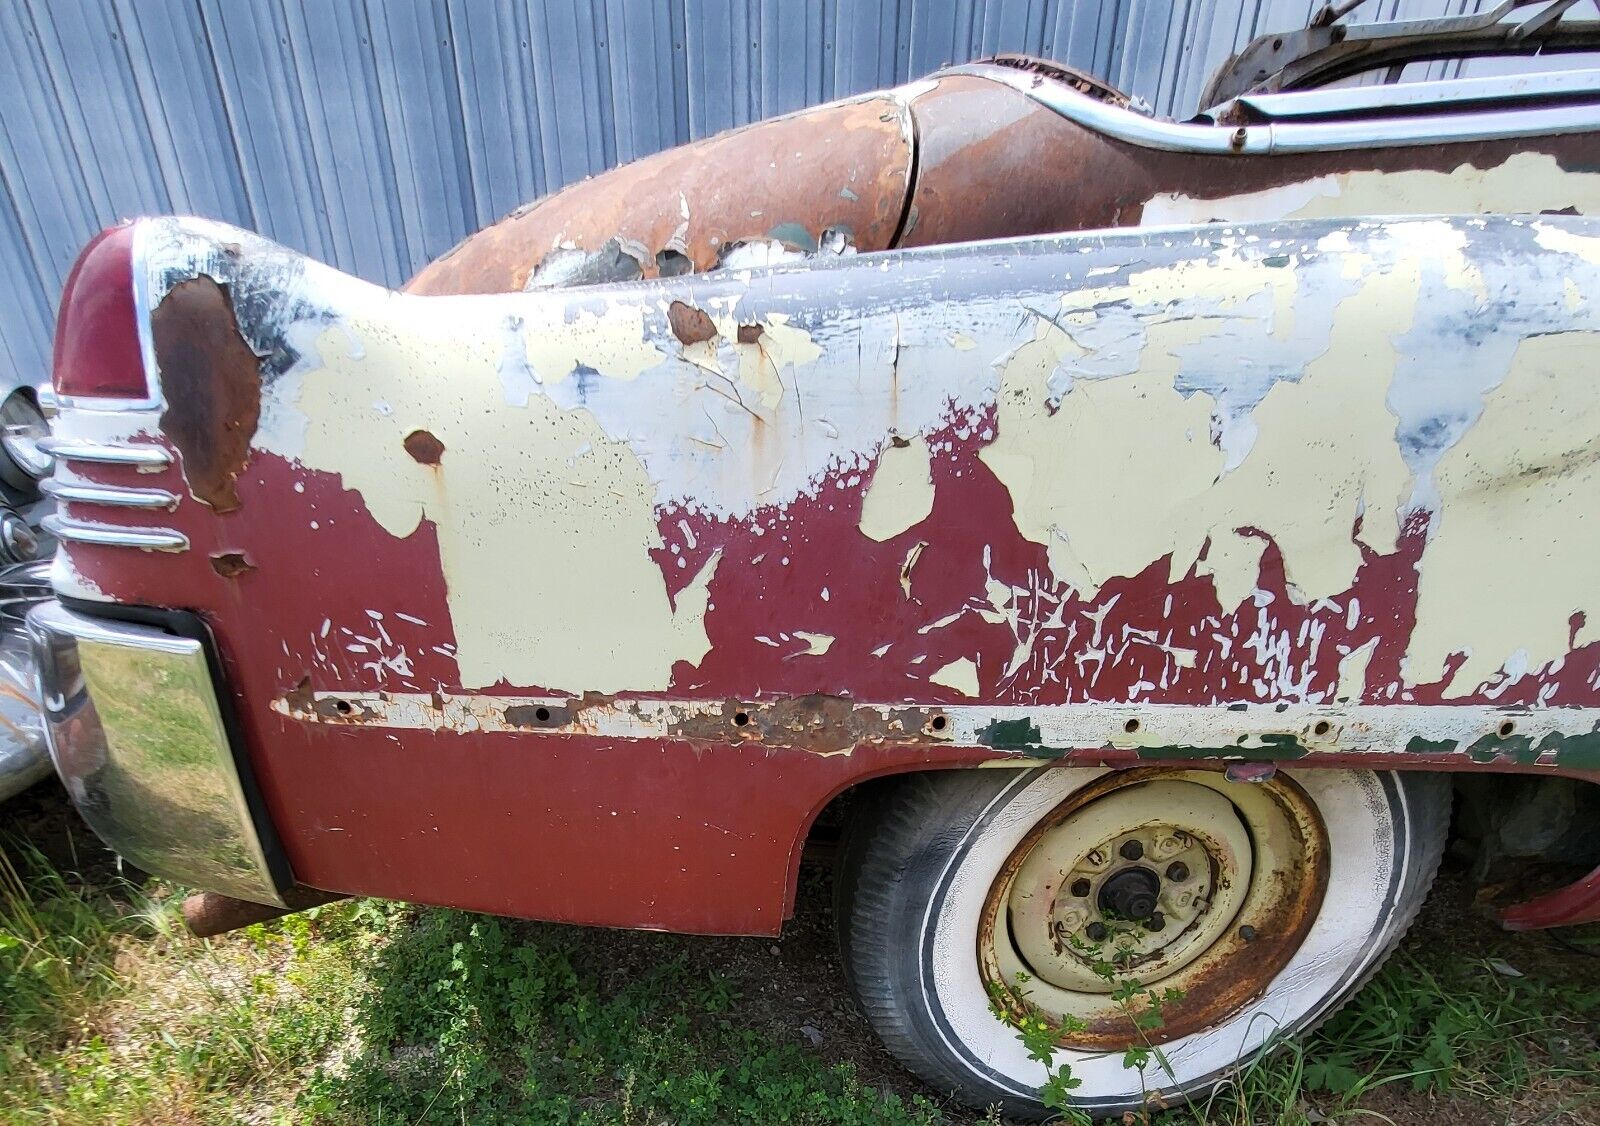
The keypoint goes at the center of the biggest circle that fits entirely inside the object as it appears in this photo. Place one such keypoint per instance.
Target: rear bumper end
(139, 734)
(24, 757)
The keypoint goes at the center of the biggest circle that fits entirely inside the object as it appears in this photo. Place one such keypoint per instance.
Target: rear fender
(579, 605)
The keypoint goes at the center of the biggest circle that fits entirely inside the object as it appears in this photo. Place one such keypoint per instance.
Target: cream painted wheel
(967, 893)
(1176, 878)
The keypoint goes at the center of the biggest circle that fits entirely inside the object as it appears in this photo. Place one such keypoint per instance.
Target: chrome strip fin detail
(112, 495)
(102, 535)
(67, 449)
(1565, 85)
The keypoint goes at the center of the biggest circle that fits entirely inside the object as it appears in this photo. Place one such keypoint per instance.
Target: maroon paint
(1576, 903)
(653, 832)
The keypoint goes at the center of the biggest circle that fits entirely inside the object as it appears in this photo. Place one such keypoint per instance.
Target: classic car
(1128, 528)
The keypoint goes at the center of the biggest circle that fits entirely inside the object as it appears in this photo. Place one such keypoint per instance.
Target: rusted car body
(984, 422)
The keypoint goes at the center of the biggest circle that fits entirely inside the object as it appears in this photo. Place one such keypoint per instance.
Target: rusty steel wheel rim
(1180, 879)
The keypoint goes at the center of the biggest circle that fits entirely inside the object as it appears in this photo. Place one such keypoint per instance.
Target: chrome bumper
(24, 758)
(137, 733)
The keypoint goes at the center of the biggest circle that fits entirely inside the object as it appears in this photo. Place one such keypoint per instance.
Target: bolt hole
(939, 723)
(542, 714)
(1131, 726)
(741, 718)
(1507, 728)
(343, 707)
(1322, 727)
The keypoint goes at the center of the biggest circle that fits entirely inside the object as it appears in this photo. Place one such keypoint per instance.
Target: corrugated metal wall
(374, 134)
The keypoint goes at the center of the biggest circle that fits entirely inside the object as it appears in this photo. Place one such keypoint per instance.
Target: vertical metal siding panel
(416, 90)
(499, 118)
(266, 114)
(25, 316)
(1007, 26)
(791, 55)
(1081, 36)
(186, 129)
(572, 87)
(46, 183)
(718, 46)
(337, 83)
(940, 33)
(864, 46)
(88, 61)
(642, 71)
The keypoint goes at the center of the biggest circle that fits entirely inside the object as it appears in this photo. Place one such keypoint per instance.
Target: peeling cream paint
(1225, 390)
(1353, 672)
(541, 516)
(960, 675)
(901, 493)
(1514, 551)
(817, 644)
(1126, 472)
(1527, 182)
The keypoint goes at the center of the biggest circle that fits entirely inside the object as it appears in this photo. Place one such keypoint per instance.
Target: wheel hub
(1130, 894)
(1153, 877)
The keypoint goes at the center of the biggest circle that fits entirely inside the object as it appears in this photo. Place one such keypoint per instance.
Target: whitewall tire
(947, 878)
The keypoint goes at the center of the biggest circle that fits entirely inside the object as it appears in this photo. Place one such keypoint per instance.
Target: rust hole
(424, 448)
(1507, 728)
(1131, 726)
(939, 723)
(231, 564)
(343, 707)
(740, 719)
(690, 325)
(1322, 727)
(542, 714)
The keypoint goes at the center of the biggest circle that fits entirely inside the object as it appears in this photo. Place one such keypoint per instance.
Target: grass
(375, 1013)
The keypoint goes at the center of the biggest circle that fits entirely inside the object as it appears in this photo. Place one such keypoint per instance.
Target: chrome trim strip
(68, 449)
(108, 494)
(1288, 137)
(1561, 84)
(135, 729)
(102, 535)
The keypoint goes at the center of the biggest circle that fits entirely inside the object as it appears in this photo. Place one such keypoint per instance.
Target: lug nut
(1247, 932)
(1095, 932)
(1132, 850)
(1177, 871)
(1155, 922)
(1080, 888)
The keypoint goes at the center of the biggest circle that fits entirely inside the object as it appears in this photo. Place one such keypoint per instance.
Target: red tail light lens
(97, 352)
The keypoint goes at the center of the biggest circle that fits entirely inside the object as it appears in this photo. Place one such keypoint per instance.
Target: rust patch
(300, 698)
(211, 379)
(994, 163)
(690, 325)
(230, 564)
(680, 207)
(749, 334)
(423, 447)
(818, 723)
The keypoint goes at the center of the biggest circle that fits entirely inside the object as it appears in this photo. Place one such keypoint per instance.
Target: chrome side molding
(103, 535)
(68, 449)
(1278, 137)
(113, 495)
